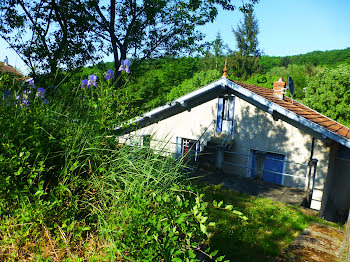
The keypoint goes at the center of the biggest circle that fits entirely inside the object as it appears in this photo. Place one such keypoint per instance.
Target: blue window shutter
(219, 115)
(231, 113)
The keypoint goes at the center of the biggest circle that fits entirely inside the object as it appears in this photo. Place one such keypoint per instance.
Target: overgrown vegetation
(68, 192)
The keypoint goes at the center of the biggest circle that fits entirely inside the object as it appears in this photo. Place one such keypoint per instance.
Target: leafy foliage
(151, 87)
(330, 58)
(198, 80)
(147, 29)
(64, 180)
(47, 34)
(328, 92)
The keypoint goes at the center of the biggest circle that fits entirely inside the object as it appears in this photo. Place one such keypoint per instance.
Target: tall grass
(68, 192)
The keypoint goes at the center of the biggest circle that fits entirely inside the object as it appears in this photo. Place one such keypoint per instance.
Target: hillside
(330, 58)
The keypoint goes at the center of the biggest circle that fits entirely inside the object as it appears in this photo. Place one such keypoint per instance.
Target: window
(188, 149)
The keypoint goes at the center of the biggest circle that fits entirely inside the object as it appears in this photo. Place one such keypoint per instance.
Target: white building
(263, 133)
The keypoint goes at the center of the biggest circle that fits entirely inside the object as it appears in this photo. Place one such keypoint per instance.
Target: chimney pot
(278, 88)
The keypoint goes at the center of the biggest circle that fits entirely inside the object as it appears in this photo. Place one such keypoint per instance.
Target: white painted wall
(254, 129)
(188, 124)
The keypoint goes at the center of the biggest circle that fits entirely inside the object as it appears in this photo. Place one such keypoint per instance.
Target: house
(262, 133)
(6, 68)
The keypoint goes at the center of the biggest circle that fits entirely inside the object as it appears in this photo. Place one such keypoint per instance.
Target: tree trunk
(115, 55)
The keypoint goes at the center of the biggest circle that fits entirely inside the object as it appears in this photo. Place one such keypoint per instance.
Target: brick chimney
(279, 88)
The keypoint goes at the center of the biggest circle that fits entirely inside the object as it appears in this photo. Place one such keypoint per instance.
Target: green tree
(245, 62)
(214, 54)
(152, 28)
(47, 35)
(328, 92)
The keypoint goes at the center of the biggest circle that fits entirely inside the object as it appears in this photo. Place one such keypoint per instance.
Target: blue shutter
(219, 115)
(231, 112)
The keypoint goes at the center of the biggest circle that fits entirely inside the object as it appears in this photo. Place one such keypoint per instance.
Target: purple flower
(92, 80)
(109, 74)
(18, 97)
(41, 92)
(31, 83)
(45, 100)
(125, 65)
(84, 83)
(27, 92)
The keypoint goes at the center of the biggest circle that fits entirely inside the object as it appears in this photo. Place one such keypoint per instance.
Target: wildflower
(27, 92)
(125, 65)
(25, 102)
(92, 80)
(84, 83)
(31, 83)
(109, 74)
(41, 92)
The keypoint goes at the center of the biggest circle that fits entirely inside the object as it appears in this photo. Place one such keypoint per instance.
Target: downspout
(310, 164)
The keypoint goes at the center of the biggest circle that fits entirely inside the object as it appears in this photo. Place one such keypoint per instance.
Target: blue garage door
(273, 168)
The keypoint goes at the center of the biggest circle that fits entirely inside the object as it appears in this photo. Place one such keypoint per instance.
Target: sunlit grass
(271, 225)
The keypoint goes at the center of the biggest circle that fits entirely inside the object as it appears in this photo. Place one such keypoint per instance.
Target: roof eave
(270, 107)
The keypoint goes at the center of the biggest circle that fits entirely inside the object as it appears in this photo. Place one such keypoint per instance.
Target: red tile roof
(9, 69)
(299, 109)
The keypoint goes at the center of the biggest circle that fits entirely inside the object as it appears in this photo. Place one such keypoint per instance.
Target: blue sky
(287, 27)
(291, 27)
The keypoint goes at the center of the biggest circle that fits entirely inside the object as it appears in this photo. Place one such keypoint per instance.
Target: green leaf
(178, 252)
(181, 218)
(220, 258)
(229, 207)
(213, 254)
(203, 228)
(220, 203)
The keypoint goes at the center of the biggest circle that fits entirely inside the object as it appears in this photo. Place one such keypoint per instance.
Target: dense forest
(155, 82)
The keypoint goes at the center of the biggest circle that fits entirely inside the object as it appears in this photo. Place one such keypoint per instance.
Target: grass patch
(271, 225)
